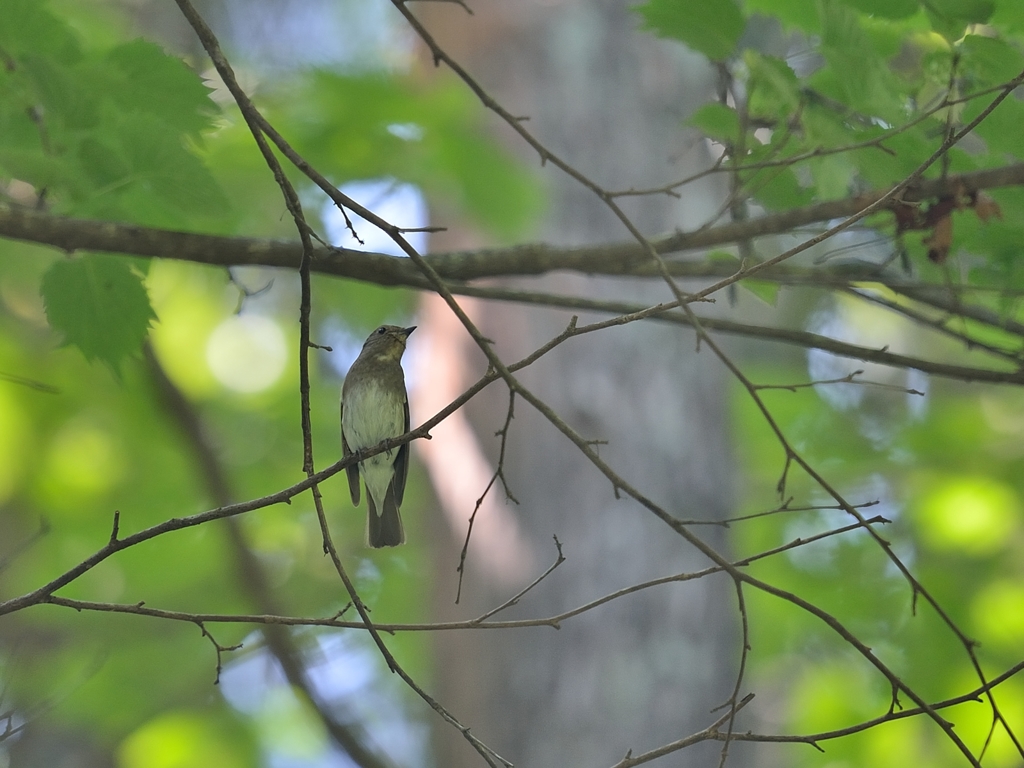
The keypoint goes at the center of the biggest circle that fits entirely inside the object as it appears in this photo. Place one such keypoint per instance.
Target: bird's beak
(409, 330)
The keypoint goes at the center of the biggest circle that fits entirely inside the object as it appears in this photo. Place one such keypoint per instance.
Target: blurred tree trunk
(642, 671)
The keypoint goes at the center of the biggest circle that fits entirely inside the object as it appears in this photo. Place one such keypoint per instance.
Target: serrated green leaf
(162, 86)
(141, 172)
(106, 134)
(856, 75)
(711, 28)
(158, 158)
(716, 121)
(773, 86)
(765, 291)
(99, 305)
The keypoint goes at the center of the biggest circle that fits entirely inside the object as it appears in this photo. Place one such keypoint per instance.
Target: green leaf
(150, 81)
(970, 11)
(778, 189)
(716, 121)
(856, 75)
(793, 13)
(774, 89)
(833, 176)
(886, 9)
(29, 28)
(765, 291)
(1010, 15)
(371, 126)
(106, 134)
(824, 128)
(1001, 128)
(711, 28)
(905, 149)
(69, 94)
(989, 61)
(141, 171)
(723, 257)
(100, 306)
(951, 17)
(489, 185)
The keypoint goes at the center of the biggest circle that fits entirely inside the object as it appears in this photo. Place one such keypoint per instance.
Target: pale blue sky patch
(395, 202)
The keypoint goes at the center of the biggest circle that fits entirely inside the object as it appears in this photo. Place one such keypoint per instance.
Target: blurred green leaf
(950, 18)
(361, 127)
(989, 61)
(833, 176)
(766, 292)
(159, 85)
(1000, 129)
(711, 28)
(793, 13)
(716, 121)
(774, 90)
(856, 75)
(30, 28)
(1010, 15)
(971, 11)
(886, 9)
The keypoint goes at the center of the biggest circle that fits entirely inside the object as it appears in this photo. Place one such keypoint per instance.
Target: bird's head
(387, 342)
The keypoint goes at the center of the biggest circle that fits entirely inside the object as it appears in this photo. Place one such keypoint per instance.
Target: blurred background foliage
(105, 125)
(96, 123)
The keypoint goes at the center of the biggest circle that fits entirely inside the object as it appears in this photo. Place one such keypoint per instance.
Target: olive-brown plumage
(374, 408)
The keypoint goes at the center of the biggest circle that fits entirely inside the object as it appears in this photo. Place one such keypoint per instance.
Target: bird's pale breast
(371, 414)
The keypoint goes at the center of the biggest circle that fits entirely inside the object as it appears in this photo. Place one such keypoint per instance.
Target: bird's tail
(384, 530)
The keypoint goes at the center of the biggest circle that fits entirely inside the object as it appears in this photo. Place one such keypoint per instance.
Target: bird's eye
(381, 331)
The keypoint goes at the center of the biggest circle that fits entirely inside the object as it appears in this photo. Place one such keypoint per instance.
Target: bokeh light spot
(247, 353)
(971, 514)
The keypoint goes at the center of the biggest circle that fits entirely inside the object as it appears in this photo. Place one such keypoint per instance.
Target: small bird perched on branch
(374, 408)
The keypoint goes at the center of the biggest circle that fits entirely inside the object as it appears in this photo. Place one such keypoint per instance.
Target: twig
(141, 609)
(519, 595)
(711, 732)
(258, 126)
(850, 378)
(499, 473)
(24, 381)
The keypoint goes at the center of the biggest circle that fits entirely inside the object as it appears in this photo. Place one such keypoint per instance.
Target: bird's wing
(402, 461)
(352, 470)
